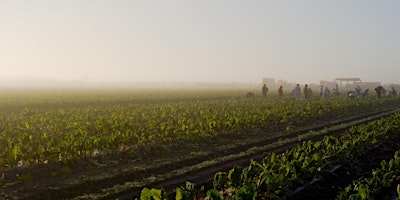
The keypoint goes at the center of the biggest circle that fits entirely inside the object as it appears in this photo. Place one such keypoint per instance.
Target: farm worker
(321, 91)
(310, 92)
(280, 91)
(297, 92)
(306, 92)
(352, 95)
(365, 93)
(336, 90)
(393, 92)
(326, 92)
(358, 89)
(379, 90)
(264, 91)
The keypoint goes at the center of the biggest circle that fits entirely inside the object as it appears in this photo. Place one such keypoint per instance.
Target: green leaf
(214, 194)
(145, 195)
(235, 176)
(27, 125)
(16, 151)
(179, 195)
(362, 192)
(220, 180)
(153, 194)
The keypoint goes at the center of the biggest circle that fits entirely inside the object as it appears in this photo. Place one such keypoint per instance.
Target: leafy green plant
(277, 175)
(385, 177)
(189, 191)
(153, 194)
(214, 194)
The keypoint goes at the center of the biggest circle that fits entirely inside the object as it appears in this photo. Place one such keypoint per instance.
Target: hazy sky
(200, 40)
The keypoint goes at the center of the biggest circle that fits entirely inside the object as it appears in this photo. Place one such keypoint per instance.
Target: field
(112, 143)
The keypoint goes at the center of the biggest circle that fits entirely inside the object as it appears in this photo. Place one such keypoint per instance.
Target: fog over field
(102, 43)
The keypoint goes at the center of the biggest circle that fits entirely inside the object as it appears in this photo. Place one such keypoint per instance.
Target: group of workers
(324, 92)
(380, 90)
(307, 91)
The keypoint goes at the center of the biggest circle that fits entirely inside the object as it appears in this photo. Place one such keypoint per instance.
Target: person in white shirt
(321, 91)
(326, 92)
(297, 92)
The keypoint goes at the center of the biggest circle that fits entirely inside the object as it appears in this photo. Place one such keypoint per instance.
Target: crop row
(384, 178)
(74, 128)
(279, 176)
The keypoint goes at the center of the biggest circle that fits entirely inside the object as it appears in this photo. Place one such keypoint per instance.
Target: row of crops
(383, 178)
(39, 127)
(282, 176)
